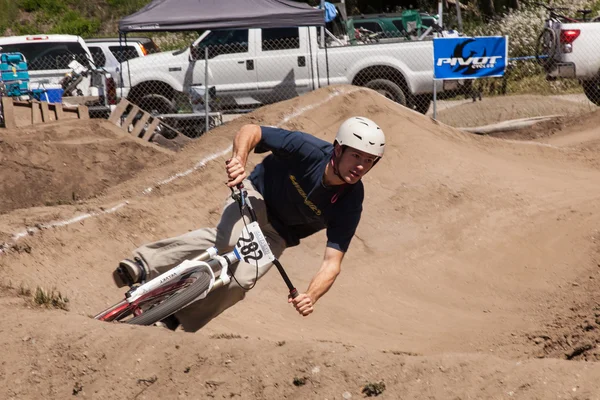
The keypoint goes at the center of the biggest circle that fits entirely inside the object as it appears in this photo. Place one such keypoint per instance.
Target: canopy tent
(184, 15)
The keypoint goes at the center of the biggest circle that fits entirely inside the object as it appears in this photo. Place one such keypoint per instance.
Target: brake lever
(240, 195)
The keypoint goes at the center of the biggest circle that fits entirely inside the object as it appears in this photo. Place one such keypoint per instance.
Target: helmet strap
(334, 162)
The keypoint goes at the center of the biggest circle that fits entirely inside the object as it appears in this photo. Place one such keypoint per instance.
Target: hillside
(84, 18)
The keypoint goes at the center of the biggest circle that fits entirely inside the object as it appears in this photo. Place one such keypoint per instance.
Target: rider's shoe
(130, 272)
(171, 323)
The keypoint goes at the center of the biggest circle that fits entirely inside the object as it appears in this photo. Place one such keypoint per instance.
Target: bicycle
(547, 44)
(192, 280)
(366, 36)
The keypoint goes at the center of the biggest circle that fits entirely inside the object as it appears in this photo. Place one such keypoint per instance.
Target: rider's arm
(281, 142)
(340, 230)
(244, 142)
(320, 283)
(324, 278)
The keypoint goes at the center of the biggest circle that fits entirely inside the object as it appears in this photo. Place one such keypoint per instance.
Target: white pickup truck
(575, 54)
(250, 67)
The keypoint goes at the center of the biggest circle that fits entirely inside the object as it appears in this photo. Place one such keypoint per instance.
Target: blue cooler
(14, 74)
(51, 95)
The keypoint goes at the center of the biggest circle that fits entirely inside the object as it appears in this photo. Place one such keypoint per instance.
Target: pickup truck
(251, 67)
(573, 53)
(64, 61)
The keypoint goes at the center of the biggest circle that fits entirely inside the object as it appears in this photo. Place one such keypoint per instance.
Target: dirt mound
(501, 108)
(469, 249)
(556, 127)
(66, 162)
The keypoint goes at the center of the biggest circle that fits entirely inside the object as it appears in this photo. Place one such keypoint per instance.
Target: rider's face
(354, 164)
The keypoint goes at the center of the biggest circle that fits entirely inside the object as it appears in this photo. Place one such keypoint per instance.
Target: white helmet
(362, 134)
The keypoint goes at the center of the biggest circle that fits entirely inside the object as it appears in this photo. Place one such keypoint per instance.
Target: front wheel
(161, 302)
(591, 89)
(389, 89)
(175, 302)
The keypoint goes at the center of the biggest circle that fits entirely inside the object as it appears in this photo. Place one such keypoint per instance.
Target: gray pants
(165, 254)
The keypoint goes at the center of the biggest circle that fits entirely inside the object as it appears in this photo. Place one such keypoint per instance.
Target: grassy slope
(84, 18)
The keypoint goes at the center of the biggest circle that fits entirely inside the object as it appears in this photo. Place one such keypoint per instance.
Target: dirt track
(474, 272)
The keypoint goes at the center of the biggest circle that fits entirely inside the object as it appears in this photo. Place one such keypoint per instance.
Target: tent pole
(312, 67)
(327, 63)
(206, 107)
(322, 26)
(121, 86)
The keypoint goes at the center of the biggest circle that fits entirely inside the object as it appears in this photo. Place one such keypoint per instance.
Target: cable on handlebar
(240, 198)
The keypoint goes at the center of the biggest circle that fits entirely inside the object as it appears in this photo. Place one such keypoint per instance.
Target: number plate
(252, 247)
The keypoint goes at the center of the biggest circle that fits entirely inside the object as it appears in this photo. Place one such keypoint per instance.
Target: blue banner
(469, 57)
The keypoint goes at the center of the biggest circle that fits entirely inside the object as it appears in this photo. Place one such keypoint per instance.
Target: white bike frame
(252, 247)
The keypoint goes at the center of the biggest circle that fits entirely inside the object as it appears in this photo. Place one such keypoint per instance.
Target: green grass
(84, 18)
(50, 299)
(9, 13)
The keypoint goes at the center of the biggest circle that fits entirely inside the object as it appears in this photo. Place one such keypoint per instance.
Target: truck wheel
(389, 89)
(421, 103)
(592, 90)
(156, 104)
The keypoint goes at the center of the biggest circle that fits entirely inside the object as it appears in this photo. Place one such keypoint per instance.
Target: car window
(280, 39)
(150, 47)
(236, 40)
(123, 53)
(223, 42)
(398, 24)
(427, 21)
(370, 25)
(98, 56)
(49, 55)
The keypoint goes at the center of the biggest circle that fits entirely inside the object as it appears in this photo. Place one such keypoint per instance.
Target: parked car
(408, 24)
(51, 60)
(251, 67)
(109, 53)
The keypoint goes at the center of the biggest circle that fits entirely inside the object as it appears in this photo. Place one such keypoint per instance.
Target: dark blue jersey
(298, 202)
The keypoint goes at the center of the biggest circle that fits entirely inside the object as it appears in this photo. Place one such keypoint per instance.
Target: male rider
(304, 185)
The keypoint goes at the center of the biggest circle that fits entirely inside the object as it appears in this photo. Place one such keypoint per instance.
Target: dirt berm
(474, 272)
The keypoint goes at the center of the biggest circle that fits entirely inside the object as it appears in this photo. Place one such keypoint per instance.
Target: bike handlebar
(244, 203)
(553, 10)
(549, 8)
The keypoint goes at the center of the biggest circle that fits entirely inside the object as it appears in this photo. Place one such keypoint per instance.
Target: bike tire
(175, 302)
(546, 46)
